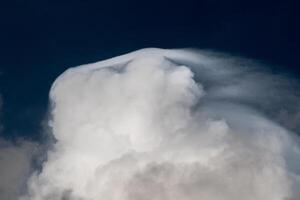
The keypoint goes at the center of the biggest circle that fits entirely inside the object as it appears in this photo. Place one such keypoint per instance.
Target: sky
(40, 39)
(178, 98)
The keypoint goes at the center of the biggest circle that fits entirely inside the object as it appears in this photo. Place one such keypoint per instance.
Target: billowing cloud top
(171, 125)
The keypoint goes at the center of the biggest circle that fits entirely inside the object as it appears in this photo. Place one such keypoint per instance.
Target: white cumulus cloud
(171, 125)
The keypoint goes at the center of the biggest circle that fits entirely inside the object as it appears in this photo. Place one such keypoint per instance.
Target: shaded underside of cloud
(15, 167)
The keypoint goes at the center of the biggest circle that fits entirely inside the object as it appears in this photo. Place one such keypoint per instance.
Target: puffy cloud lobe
(169, 124)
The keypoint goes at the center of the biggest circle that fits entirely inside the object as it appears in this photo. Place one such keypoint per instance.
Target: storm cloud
(171, 124)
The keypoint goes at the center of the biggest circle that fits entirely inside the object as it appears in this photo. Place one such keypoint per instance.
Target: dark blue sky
(41, 38)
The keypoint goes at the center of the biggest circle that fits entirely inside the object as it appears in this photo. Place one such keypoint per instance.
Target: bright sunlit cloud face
(170, 124)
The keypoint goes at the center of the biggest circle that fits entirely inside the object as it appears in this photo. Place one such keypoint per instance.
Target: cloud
(15, 167)
(171, 124)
